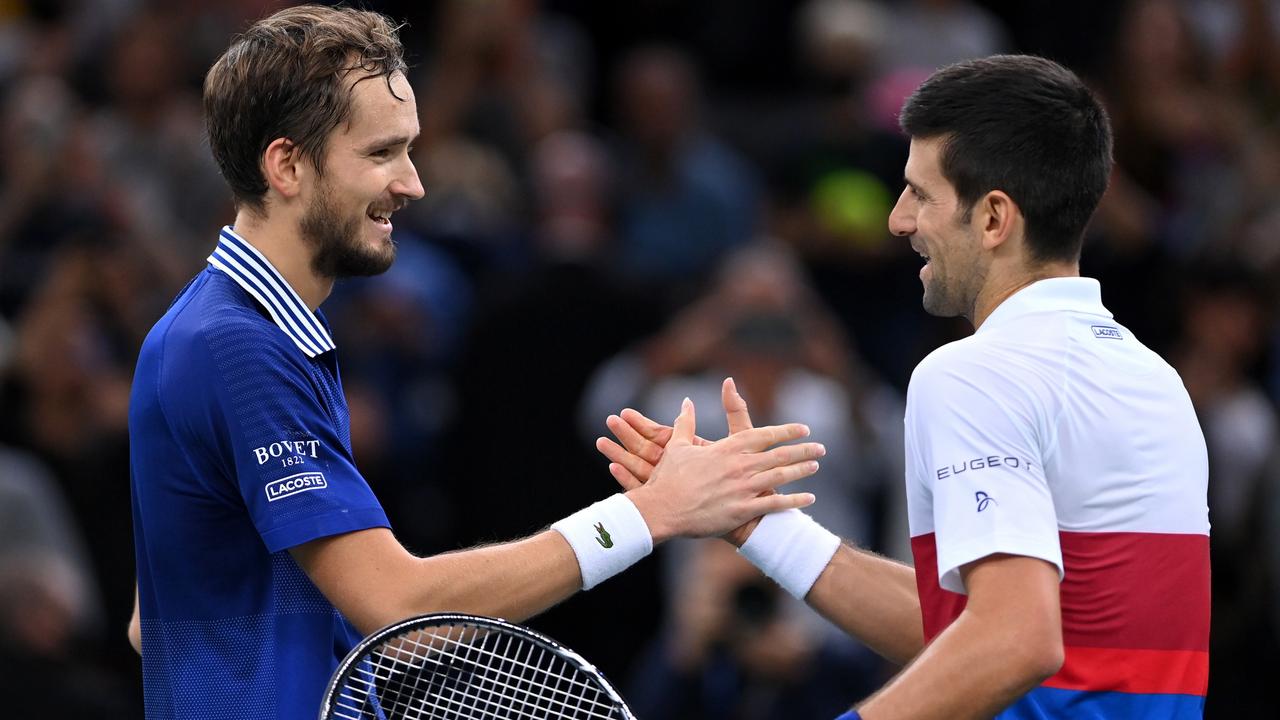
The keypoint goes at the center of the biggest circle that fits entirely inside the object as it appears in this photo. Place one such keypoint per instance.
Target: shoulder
(960, 362)
(214, 328)
(1011, 367)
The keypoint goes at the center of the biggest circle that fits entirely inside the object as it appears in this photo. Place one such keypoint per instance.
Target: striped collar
(252, 271)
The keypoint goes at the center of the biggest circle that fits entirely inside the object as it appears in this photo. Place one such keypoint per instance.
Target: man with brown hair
(262, 553)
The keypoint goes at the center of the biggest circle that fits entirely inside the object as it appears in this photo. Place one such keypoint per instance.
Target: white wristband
(608, 537)
(792, 548)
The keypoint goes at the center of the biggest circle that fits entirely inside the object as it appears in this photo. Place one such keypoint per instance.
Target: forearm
(374, 581)
(972, 670)
(513, 580)
(1007, 640)
(698, 490)
(874, 599)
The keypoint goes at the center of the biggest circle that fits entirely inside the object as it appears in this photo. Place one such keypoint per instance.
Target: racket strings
(489, 694)
(487, 675)
(533, 705)
(470, 648)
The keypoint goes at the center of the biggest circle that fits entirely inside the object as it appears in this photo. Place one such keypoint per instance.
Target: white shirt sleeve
(981, 427)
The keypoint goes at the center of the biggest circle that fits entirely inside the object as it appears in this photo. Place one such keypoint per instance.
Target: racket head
(448, 666)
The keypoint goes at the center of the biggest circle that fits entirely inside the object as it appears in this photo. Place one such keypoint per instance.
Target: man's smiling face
(367, 176)
(928, 213)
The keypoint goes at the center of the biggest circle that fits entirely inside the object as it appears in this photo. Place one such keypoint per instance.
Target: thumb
(685, 424)
(735, 408)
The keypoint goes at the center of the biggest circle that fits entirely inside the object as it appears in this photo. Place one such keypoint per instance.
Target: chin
(938, 306)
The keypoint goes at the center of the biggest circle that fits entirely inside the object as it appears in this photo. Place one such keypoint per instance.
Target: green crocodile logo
(605, 541)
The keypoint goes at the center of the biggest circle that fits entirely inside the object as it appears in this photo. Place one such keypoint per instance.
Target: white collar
(252, 271)
(1069, 294)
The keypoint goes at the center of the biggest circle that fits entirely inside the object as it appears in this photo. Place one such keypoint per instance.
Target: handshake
(677, 484)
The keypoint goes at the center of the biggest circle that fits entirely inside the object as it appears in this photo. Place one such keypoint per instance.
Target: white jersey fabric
(1053, 433)
(1050, 417)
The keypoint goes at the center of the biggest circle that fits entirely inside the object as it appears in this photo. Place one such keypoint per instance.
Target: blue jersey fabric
(240, 449)
(1045, 703)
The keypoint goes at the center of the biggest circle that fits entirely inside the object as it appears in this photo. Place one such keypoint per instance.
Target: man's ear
(997, 217)
(283, 167)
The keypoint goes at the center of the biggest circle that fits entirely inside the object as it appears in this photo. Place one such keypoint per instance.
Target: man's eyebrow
(389, 141)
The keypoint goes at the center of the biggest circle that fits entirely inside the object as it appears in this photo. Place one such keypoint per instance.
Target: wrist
(651, 509)
(606, 537)
(791, 549)
(738, 536)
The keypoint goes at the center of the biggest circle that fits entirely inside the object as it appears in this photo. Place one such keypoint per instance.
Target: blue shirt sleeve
(279, 423)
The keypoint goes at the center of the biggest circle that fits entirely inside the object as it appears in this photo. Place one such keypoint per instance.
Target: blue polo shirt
(240, 449)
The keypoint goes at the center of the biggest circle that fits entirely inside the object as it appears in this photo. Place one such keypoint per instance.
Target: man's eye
(384, 152)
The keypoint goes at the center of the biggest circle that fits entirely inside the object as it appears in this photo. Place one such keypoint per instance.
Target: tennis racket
(465, 667)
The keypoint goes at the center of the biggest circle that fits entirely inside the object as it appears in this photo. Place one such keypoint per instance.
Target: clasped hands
(685, 485)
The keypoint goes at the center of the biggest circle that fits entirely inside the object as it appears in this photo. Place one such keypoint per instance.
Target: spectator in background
(928, 34)
(1184, 173)
(161, 180)
(66, 393)
(1226, 317)
(49, 605)
(37, 125)
(760, 323)
(406, 329)
(685, 198)
(834, 177)
(503, 77)
(532, 345)
(732, 650)
(34, 517)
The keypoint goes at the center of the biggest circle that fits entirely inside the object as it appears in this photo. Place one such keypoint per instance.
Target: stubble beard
(940, 297)
(335, 240)
(953, 294)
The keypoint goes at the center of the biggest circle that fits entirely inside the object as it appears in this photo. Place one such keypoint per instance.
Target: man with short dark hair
(1056, 472)
(262, 553)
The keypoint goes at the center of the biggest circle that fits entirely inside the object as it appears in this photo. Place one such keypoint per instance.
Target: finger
(651, 430)
(776, 503)
(685, 423)
(735, 407)
(625, 478)
(785, 455)
(758, 439)
(633, 441)
(619, 456)
(783, 475)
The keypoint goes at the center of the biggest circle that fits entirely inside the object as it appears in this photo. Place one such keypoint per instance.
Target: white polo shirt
(1052, 432)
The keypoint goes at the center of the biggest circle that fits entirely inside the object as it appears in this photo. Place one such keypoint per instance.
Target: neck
(994, 293)
(279, 240)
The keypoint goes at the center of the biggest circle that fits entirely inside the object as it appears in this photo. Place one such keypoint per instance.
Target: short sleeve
(281, 432)
(979, 428)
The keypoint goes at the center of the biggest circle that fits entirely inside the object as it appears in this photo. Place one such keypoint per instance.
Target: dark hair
(286, 76)
(1024, 125)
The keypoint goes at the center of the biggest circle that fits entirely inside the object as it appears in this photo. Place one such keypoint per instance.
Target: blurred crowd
(625, 203)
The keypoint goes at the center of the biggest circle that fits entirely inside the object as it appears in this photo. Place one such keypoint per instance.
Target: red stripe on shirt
(1135, 590)
(1151, 672)
(1145, 593)
(938, 608)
